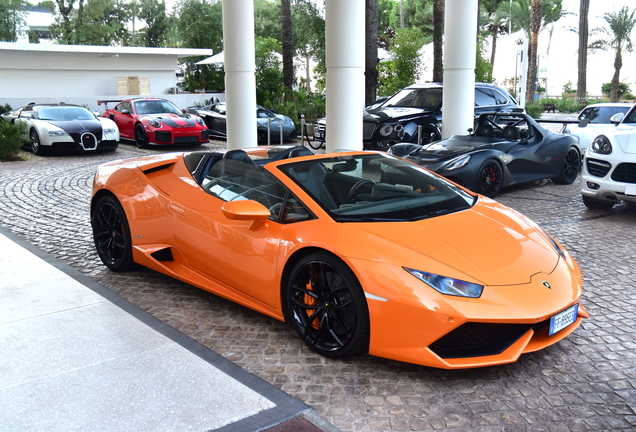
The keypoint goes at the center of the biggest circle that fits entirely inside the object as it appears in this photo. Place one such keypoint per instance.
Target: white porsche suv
(609, 167)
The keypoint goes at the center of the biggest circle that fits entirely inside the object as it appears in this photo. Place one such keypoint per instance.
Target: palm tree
(288, 45)
(495, 21)
(438, 40)
(581, 85)
(617, 37)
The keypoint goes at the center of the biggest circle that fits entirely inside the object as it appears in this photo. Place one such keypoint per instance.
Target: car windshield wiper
(369, 219)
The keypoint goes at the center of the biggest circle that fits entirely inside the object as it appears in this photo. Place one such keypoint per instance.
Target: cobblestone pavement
(585, 382)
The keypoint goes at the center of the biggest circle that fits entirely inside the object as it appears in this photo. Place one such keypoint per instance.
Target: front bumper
(608, 180)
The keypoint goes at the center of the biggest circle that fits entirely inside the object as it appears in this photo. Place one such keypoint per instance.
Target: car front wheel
(490, 178)
(569, 168)
(141, 137)
(111, 234)
(36, 147)
(324, 302)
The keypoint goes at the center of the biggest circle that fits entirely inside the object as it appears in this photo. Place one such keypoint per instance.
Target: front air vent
(598, 168)
(625, 173)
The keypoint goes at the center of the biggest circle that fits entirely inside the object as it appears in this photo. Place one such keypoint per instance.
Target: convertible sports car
(63, 127)
(358, 251)
(214, 117)
(156, 121)
(506, 149)
(609, 167)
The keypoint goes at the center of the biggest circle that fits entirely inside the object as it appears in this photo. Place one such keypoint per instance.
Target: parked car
(215, 118)
(13, 114)
(357, 251)
(505, 149)
(609, 167)
(595, 120)
(414, 115)
(156, 121)
(65, 127)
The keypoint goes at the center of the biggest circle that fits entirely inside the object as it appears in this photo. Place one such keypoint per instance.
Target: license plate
(563, 319)
(630, 189)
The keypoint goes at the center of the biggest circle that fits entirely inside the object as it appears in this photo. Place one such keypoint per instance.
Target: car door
(122, 115)
(240, 253)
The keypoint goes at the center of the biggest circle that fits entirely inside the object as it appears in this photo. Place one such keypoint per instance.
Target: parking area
(585, 382)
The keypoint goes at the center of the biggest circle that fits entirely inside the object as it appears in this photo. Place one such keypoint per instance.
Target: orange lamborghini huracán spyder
(359, 251)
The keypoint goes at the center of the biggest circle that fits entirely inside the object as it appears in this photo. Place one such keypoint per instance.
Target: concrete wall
(84, 77)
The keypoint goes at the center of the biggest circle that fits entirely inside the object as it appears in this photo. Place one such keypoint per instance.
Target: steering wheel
(355, 190)
(275, 209)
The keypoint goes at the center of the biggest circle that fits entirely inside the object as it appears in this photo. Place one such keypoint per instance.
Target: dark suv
(415, 114)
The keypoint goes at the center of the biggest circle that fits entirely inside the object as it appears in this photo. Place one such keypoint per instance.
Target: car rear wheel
(490, 178)
(111, 234)
(324, 302)
(569, 168)
(36, 147)
(141, 137)
(594, 203)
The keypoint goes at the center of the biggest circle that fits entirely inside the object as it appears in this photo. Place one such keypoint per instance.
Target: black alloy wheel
(324, 302)
(141, 137)
(36, 147)
(490, 178)
(111, 234)
(570, 167)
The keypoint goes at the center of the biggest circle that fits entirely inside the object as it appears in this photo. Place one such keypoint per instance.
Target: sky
(562, 52)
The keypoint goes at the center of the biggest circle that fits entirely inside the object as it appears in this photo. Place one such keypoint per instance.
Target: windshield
(425, 98)
(376, 187)
(156, 107)
(601, 114)
(60, 113)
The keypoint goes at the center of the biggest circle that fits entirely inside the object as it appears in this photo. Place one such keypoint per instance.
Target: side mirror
(125, 111)
(617, 118)
(245, 210)
(584, 123)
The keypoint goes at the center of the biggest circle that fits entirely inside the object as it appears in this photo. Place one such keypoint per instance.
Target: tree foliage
(617, 37)
(405, 64)
(11, 19)
(153, 14)
(91, 22)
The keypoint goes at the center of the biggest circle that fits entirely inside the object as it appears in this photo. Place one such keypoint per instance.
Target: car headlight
(601, 145)
(109, 134)
(154, 123)
(58, 133)
(446, 285)
(200, 121)
(456, 163)
(386, 130)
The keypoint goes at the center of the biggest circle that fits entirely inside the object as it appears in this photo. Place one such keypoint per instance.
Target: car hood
(383, 114)
(455, 146)
(79, 126)
(626, 138)
(174, 120)
(489, 242)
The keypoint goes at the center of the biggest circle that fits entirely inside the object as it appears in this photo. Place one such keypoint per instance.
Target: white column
(344, 22)
(240, 80)
(460, 45)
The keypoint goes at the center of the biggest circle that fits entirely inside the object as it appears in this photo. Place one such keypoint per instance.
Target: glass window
(484, 97)
(601, 114)
(376, 187)
(232, 180)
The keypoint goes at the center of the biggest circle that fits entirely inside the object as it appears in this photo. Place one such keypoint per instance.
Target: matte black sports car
(214, 117)
(505, 149)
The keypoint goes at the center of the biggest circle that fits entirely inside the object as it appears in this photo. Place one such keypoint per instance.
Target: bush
(534, 111)
(5, 108)
(11, 140)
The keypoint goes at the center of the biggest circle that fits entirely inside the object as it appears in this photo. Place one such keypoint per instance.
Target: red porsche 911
(156, 121)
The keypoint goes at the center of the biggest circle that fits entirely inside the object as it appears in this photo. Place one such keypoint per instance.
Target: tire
(324, 302)
(141, 137)
(36, 146)
(594, 203)
(111, 234)
(569, 168)
(489, 178)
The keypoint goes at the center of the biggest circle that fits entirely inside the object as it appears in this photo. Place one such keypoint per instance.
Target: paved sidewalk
(77, 357)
